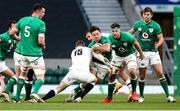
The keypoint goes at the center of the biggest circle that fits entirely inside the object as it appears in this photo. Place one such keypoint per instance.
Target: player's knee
(141, 77)
(40, 76)
(39, 71)
(160, 75)
(25, 70)
(132, 73)
(132, 66)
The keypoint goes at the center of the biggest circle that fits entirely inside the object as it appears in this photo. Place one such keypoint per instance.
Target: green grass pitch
(152, 102)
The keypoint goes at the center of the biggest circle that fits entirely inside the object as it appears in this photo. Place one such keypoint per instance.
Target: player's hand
(141, 56)
(156, 46)
(94, 48)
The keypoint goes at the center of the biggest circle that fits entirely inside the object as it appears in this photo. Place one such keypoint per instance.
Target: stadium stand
(64, 21)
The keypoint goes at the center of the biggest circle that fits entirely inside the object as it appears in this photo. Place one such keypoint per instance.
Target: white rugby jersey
(81, 57)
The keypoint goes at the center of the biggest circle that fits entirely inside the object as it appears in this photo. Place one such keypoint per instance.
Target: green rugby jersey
(5, 44)
(124, 45)
(29, 28)
(147, 34)
(103, 41)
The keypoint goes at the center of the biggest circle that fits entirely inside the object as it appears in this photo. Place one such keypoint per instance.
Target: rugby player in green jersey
(123, 75)
(124, 45)
(32, 31)
(102, 45)
(150, 37)
(6, 43)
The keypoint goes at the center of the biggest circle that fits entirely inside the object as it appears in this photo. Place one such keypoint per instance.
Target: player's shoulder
(4, 35)
(81, 47)
(126, 34)
(86, 48)
(104, 39)
(23, 18)
(41, 21)
(38, 20)
(154, 23)
(139, 22)
(26, 17)
(110, 36)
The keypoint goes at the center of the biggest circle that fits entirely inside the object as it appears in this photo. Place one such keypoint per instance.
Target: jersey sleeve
(135, 26)
(131, 37)
(158, 29)
(3, 37)
(105, 40)
(18, 24)
(42, 28)
(91, 44)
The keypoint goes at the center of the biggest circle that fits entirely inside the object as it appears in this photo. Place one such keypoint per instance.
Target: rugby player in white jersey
(79, 71)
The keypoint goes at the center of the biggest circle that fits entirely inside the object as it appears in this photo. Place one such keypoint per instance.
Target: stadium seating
(64, 21)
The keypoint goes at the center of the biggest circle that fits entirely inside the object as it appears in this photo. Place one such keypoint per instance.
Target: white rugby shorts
(78, 75)
(150, 58)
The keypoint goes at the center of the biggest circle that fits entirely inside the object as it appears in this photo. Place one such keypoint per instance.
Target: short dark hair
(148, 9)
(94, 28)
(86, 32)
(38, 6)
(10, 23)
(114, 25)
(80, 43)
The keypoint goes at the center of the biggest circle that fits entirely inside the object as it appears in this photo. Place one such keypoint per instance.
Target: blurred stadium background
(68, 20)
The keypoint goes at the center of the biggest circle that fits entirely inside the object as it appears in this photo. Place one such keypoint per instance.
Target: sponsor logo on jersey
(145, 35)
(121, 49)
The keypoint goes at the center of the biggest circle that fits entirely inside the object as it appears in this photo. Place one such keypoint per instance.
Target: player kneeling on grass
(79, 71)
